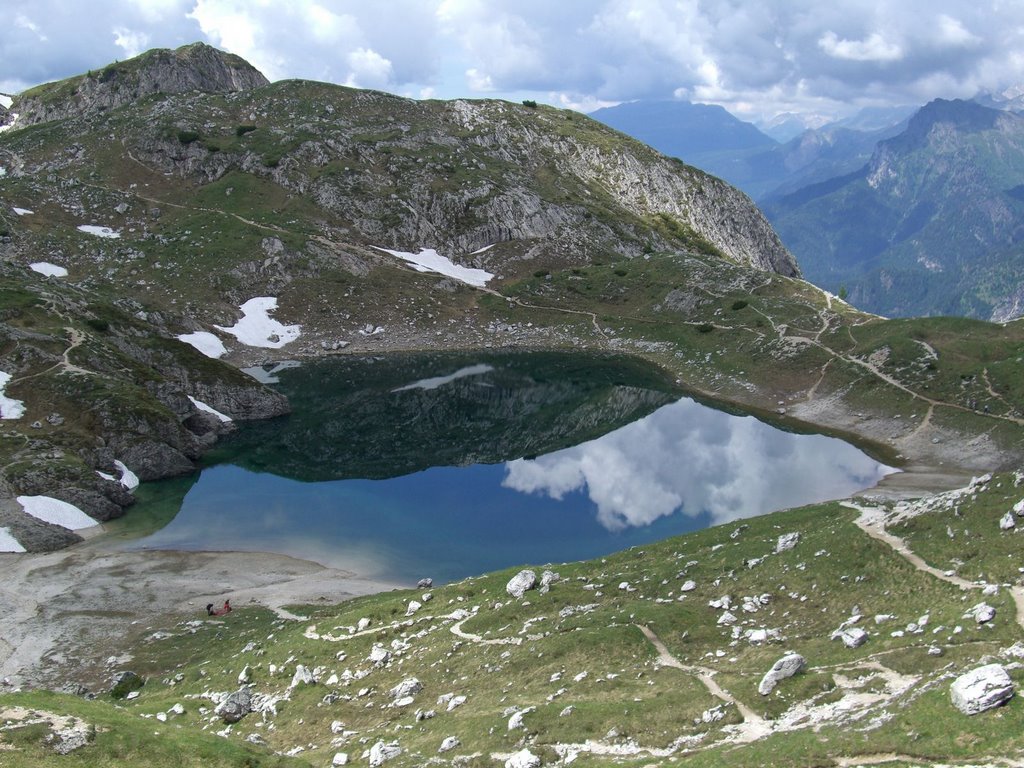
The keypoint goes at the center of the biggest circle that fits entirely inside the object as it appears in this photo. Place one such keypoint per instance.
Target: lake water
(450, 466)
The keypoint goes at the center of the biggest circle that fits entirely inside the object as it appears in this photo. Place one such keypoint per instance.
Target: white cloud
(873, 48)
(690, 458)
(368, 69)
(478, 82)
(953, 32)
(131, 42)
(758, 58)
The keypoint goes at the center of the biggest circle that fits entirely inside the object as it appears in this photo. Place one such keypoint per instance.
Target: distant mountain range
(712, 139)
(931, 225)
(918, 216)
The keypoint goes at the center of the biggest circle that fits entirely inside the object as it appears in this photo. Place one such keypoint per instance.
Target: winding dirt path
(755, 726)
(871, 520)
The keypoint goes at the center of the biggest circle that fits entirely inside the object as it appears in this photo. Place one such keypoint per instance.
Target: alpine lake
(451, 465)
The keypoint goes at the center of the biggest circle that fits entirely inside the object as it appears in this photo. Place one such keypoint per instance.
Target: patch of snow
(128, 478)
(91, 229)
(3, 172)
(106, 476)
(48, 269)
(8, 543)
(485, 249)
(9, 407)
(10, 125)
(22, 211)
(55, 511)
(440, 381)
(429, 260)
(267, 374)
(257, 329)
(204, 407)
(205, 342)
(6, 101)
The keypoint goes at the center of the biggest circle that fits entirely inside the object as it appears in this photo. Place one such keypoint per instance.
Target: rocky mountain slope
(931, 225)
(196, 67)
(279, 199)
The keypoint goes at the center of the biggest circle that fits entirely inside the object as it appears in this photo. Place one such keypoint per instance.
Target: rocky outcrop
(982, 688)
(234, 706)
(787, 666)
(521, 583)
(196, 67)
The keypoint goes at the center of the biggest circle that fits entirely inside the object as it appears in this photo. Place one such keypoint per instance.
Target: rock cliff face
(196, 67)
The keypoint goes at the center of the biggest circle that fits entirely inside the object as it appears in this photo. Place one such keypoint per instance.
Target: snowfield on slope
(9, 407)
(55, 511)
(258, 329)
(429, 260)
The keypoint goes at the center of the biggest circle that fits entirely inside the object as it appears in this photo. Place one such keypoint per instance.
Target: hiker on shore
(222, 611)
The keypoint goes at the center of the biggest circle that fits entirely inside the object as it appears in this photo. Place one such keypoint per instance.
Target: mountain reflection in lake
(411, 467)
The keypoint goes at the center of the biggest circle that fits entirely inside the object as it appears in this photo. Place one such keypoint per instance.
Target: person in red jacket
(223, 610)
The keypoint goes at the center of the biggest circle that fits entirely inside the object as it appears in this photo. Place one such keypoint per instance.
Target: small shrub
(705, 328)
(542, 273)
(621, 272)
(530, 103)
(187, 137)
(98, 324)
(241, 130)
(739, 304)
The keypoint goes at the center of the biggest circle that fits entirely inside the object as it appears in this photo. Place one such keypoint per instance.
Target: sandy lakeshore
(75, 608)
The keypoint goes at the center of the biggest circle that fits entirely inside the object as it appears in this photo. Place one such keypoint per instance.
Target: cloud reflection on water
(691, 458)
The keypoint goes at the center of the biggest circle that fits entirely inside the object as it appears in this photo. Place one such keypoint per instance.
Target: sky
(757, 58)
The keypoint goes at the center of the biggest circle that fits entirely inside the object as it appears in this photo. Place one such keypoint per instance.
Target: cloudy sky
(755, 57)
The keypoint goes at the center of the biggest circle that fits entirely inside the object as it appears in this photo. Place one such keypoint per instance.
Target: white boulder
(522, 582)
(449, 744)
(786, 541)
(1006, 522)
(523, 759)
(787, 666)
(380, 753)
(982, 688)
(852, 637)
(981, 613)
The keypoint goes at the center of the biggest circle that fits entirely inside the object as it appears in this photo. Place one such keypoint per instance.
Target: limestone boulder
(981, 689)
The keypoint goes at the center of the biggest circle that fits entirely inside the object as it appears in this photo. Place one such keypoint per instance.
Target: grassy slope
(626, 701)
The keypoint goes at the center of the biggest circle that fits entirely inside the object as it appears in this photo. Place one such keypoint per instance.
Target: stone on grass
(340, 758)
(380, 752)
(362, 624)
(425, 583)
(523, 759)
(449, 744)
(234, 706)
(414, 605)
(245, 676)
(981, 613)
(547, 578)
(982, 688)
(302, 676)
(688, 586)
(787, 666)
(786, 541)
(379, 655)
(1006, 522)
(852, 637)
(519, 584)
(408, 687)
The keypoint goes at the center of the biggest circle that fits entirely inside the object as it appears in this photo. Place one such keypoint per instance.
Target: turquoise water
(616, 458)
